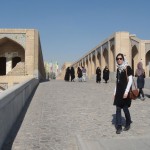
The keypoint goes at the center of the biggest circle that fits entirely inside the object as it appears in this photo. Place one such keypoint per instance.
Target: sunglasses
(119, 58)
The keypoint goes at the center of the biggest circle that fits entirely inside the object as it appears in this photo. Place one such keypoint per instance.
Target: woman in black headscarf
(106, 74)
(67, 75)
(72, 72)
(79, 72)
(98, 75)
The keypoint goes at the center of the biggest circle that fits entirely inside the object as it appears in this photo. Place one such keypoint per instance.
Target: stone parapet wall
(12, 102)
(8, 81)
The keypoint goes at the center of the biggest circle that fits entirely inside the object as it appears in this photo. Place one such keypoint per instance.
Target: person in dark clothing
(121, 99)
(67, 75)
(98, 75)
(72, 74)
(79, 72)
(106, 74)
(83, 74)
(140, 74)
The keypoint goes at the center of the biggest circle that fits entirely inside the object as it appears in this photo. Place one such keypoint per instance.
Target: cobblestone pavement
(60, 111)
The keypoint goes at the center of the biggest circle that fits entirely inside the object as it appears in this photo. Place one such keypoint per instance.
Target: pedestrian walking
(83, 74)
(98, 75)
(106, 74)
(121, 99)
(79, 72)
(140, 74)
(67, 75)
(72, 72)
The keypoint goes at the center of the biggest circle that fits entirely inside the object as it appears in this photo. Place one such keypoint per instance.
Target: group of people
(105, 74)
(81, 73)
(70, 72)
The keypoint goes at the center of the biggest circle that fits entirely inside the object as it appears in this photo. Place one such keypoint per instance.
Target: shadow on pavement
(147, 95)
(114, 120)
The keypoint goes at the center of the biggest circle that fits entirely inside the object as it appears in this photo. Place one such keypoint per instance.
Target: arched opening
(90, 67)
(105, 55)
(87, 66)
(148, 64)
(12, 51)
(93, 64)
(99, 59)
(15, 60)
(83, 63)
(134, 58)
(2, 65)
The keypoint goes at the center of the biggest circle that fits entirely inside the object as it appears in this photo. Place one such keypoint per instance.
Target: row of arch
(135, 59)
(98, 58)
(106, 57)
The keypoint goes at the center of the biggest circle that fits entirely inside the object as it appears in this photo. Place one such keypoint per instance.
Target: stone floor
(60, 112)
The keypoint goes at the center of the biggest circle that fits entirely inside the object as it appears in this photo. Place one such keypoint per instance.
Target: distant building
(52, 69)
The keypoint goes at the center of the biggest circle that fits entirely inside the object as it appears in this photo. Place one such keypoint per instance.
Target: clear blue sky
(70, 28)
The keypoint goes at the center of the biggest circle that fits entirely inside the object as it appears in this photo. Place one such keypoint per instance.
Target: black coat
(106, 74)
(79, 72)
(121, 84)
(67, 75)
(72, 73)
(98, 75)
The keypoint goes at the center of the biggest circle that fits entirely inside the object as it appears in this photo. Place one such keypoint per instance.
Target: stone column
(96, 59)
(86, 61)
(89, 66)
(102, 59)
(8, 64)
(92, 66)
(109, 57)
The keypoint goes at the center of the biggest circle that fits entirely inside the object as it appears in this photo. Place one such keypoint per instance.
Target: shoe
(119, 130)
(127, 127)
(142, 98)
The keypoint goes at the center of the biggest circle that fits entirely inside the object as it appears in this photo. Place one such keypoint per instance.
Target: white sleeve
(129, 84)
(115, 91)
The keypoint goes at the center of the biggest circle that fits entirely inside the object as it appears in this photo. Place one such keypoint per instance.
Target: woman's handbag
(133, 93)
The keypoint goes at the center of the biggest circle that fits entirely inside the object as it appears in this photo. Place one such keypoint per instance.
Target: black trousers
(141, 92)
(119, 118)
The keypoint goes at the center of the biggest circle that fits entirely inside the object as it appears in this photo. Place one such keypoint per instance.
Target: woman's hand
(125, 95)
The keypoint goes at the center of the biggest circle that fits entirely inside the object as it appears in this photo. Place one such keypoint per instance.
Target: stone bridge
(72, 116)
(104, 54)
